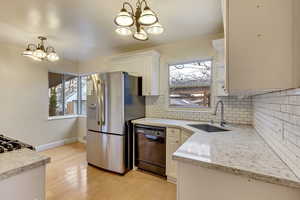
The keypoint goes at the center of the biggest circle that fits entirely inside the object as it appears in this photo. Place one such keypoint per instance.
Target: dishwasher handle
(152, 137)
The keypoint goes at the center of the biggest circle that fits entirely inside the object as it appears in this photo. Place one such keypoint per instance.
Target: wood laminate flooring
(70, 178)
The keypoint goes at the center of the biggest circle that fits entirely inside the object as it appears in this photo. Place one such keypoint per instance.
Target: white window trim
(62, 117)
(190, 109)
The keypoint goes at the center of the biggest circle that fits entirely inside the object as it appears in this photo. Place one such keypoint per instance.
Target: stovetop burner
(9, 144)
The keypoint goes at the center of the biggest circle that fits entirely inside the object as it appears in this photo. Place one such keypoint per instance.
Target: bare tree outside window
(190, 84)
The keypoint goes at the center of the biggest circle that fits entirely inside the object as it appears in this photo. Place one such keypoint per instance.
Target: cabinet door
(259, 44)
(184, 136)
(173, 143)
(145, 64)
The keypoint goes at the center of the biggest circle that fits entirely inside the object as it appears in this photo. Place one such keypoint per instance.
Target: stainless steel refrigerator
(113, 100)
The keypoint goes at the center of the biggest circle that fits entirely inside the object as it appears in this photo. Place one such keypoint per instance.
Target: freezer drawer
(106, 151)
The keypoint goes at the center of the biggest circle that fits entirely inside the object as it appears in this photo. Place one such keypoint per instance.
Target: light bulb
(124, 18)
(147, 17)
(123, 31)
(155, 29)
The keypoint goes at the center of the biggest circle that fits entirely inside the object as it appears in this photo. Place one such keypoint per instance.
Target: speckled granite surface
(240, 151)
(16, 162)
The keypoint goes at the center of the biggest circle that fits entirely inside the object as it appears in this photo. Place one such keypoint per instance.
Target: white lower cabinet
(196, 182)
(175, 138)
(173, 143)
(185, 135)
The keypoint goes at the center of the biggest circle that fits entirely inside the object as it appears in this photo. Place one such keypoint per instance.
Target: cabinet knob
(259, 35)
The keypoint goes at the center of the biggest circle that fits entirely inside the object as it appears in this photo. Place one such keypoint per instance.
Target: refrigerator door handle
(101, 103)
(103, 98)
(93, 106)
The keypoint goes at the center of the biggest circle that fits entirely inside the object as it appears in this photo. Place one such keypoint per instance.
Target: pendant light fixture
(39, 52)
(144, 19)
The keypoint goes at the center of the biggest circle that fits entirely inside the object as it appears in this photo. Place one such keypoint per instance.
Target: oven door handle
(152, 137)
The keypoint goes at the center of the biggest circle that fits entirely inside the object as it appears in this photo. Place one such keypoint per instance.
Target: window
(66, 94)
(190, 84)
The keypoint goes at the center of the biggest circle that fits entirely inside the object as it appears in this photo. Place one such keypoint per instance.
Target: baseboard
(59, 143)
(82, 139)
(171, 180)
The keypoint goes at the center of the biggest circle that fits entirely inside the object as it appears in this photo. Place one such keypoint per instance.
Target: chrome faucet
(223, 122)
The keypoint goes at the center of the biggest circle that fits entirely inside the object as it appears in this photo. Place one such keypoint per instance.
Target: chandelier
(39, 52)
(144, 19)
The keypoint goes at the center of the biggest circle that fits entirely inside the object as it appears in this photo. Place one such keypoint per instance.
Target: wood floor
(70, 178)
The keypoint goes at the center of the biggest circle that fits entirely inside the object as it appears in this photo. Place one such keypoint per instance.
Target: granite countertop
(240, 151)
(16, 162)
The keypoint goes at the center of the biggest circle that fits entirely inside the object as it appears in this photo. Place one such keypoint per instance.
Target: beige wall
(237, 110)
(24, 98)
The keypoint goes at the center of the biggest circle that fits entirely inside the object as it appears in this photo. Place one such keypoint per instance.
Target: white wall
(24, 98)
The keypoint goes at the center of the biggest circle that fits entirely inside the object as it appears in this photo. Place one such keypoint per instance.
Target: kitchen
(206, 108)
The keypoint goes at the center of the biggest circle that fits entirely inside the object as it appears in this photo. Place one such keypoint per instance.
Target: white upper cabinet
(144, 64)
(220, 74)
(262, 45)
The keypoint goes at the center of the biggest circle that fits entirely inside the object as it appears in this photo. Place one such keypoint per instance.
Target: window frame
(190, 108)
(80, 95)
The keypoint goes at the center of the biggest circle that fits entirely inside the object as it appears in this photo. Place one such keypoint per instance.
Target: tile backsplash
(236, 110)
(277, 120)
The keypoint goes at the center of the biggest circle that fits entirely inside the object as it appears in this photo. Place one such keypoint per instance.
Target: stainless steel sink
(207, 128)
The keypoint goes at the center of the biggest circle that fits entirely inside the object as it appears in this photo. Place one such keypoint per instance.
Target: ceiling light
(147, 17)
(141, 35)
(124, 31)
(155, 29)
(143, 18)
(124, 18)
(38, 52)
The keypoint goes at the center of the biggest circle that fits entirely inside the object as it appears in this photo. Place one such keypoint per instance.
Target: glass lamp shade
(155, 29)
(141, 35)
(35, 58)
(125, 31)
(124, 18)
(52, 56)
(27, 53)
(147, 17)
(39, 54)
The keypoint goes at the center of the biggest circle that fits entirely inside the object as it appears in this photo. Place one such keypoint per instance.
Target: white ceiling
(79, 29)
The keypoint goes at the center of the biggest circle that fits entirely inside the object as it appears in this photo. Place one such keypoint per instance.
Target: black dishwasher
(150, 148)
